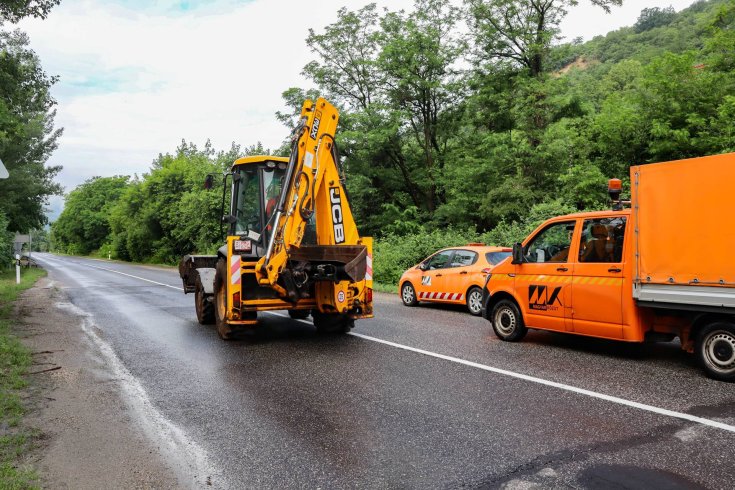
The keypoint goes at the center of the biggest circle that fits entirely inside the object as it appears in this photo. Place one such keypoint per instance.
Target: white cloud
(134, 81)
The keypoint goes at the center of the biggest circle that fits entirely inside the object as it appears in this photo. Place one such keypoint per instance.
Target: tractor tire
(507, 321)
(299, 314)
(224, 330)
(332, 323)
(204, 304)
(715, 349)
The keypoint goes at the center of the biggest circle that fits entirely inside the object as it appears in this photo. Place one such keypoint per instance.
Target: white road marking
(505, 372)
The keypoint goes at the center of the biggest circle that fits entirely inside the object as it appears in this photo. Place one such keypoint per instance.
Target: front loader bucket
(350, 260)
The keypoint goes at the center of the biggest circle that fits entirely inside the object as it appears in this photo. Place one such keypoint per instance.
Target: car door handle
(614, 269)
(463, 272)
(562, 269)
(438, 275)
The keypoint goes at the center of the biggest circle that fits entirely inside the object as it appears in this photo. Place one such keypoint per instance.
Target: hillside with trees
(459, 124)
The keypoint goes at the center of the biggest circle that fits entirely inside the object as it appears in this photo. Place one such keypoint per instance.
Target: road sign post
(17, 268)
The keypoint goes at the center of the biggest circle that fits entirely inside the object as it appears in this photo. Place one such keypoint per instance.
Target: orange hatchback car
(452, 275)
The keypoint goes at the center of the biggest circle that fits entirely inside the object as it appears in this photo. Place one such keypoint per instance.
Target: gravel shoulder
(88, 436)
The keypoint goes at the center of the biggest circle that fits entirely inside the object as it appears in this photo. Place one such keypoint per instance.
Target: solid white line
(554, 384)
(505, 372)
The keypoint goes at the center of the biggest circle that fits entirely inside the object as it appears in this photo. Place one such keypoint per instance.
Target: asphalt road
(437, 404)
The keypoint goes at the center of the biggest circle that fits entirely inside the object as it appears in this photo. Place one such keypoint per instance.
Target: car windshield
(494, 258)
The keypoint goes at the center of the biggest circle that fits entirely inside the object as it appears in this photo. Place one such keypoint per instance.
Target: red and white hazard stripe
(445, 296)
(235, 275)
(369, 270)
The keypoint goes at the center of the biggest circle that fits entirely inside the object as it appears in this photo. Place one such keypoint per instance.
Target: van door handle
(562, 269)
(614, 269)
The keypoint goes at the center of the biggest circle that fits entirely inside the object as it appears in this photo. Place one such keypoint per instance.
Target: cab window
(552, 244)
(602, 240)
(439, 261)
(463, 258)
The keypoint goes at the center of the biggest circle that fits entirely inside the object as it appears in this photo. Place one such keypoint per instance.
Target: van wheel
(715, 347)
(408, 294)
(507, 321)
(474, 300)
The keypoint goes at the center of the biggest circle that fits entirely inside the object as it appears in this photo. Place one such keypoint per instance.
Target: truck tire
(220, 301)
(507, 321)
(408, 294)
(203, 304)
(715, 348)
(332, 323)
(299, 314)
(474, 300)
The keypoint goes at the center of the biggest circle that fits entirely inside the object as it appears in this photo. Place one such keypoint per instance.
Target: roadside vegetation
(457, 125)
(15, 359)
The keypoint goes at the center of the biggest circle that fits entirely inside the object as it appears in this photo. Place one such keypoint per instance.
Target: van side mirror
(517, 254)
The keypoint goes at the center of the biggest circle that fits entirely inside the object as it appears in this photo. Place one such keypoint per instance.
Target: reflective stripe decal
(235, 275)
(445, 296)
(369, 270)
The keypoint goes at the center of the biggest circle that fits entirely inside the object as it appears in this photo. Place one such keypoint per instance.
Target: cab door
(543, 282)
(433, 277)
(597, 291)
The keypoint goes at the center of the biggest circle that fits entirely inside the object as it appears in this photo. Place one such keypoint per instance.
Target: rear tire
(408, 294)
(299, 314)
(203, 304)
(715, 348)
(507, 321)
(220, 301)
(474, 300)
(332, 323)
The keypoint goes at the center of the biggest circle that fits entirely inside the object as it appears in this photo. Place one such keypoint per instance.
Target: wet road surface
(286, 408)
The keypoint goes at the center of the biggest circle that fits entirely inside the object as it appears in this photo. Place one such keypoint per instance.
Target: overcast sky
(137, 76)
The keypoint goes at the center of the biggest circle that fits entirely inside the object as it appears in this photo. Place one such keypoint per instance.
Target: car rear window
(494, 258)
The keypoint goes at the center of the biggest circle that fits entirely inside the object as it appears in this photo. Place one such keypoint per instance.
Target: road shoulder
(88, 436)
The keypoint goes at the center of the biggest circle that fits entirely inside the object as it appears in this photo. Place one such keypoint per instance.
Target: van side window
(602, 240)
(551, 244)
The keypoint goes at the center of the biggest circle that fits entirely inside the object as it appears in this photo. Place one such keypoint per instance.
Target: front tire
(408, 294)
(715, 348)
(507, 321)
(203, 304)
(474, 300)
(332, 323)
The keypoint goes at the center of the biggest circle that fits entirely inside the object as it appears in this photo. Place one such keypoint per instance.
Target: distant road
(423, 397)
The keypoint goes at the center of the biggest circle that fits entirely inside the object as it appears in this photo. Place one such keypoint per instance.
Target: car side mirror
(209, 181)
(422, 267)
(517, 254)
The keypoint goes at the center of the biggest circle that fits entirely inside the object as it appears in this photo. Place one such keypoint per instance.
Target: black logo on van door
(337, 217)
(543, 298)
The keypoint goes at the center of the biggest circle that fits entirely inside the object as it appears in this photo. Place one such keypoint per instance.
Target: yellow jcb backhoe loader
(292, 243)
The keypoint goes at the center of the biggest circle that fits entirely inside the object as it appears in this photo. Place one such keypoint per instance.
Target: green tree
(84, 224)
(27, 135)
(520, 32)
(14, 10)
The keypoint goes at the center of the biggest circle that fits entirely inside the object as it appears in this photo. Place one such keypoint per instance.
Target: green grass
(15, 359)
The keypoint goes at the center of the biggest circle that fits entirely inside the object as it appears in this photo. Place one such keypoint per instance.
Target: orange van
(661, 269)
